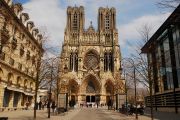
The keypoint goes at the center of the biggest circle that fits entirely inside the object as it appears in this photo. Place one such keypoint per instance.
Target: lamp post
(49, 100)
(126, 91)
(135, 91)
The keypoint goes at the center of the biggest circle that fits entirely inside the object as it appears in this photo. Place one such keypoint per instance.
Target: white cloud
(51, 14)
(47, 14)
(129, 32)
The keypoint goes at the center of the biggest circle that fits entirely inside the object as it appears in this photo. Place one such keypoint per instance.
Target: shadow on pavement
(162, 115)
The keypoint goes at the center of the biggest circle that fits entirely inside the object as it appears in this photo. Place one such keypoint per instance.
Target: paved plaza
(86, 114)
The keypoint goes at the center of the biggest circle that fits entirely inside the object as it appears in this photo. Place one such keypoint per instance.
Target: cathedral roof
(91, 28)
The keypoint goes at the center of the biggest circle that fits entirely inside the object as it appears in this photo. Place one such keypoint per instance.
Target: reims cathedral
(90, 69)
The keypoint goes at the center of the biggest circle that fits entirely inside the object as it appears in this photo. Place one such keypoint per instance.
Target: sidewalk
(147, 116)
(160, 115)
(41, 115)
(157, 116)
(77, 113)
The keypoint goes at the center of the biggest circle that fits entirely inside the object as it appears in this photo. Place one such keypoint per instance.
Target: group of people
(130, 109)
(45, 104)
(110, 104)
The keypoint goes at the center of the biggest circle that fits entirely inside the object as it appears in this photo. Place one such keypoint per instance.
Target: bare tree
(141, 61)
(46, 76)
(170, 4)
(46, 68)
(142, 67)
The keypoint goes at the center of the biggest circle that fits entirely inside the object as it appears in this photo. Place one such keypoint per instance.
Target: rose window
(91, 60)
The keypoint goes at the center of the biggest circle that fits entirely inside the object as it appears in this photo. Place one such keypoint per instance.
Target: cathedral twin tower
(90, 59)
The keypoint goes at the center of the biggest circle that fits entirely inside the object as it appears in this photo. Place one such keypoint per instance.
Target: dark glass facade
(163, 51)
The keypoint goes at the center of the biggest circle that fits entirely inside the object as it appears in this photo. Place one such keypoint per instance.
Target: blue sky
(131, 15)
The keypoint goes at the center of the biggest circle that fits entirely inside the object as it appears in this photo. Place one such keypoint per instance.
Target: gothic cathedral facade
(90, 59)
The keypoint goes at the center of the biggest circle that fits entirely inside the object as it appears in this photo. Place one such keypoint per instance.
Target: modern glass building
(163, 53)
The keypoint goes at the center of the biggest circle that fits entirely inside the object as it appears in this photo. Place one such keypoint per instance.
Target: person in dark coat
(40, 105)
(36, 106)
(53, 106)
(109, 104)
(48, 104)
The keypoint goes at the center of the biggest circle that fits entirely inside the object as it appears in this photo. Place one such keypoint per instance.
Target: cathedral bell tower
(106, 19)
(75, 19)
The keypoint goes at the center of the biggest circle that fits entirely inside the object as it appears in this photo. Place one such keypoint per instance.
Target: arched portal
(91, 88)
(109, 86)
(73, 89)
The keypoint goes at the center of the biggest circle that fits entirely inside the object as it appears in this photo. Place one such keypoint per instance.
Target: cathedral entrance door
(90, 99)
(87, 99)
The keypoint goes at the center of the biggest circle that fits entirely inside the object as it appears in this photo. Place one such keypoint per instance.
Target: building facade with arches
(20, 51)
(90, 59)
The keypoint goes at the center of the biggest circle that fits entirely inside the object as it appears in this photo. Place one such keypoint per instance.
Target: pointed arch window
(73, 61)
(107, 38)
(108, 61)
(90, 87)
(107, 22)
(75, 21)
(105, 61)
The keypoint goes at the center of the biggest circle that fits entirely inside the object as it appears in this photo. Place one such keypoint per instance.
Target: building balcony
(2, 56)
(9, 83)
(4, 33)
(18, 86)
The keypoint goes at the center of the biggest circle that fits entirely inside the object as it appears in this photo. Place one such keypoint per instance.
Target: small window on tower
(75, 22)
(107, 22)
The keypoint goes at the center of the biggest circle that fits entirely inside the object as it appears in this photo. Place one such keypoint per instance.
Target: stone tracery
(95, 60)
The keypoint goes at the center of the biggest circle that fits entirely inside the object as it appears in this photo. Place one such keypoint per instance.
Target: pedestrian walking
(27, 105)
(40, 105)
(43, 104)
(36, 106)
(109, 104)
(53, 106)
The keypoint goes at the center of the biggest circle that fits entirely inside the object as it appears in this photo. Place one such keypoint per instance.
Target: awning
(29, 94)
(19, 90)
(14, 89)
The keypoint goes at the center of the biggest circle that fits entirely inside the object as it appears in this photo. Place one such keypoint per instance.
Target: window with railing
(19, 66)
(31, 73)
(21, 50)
(33, 59)
(2, 56)
(14, 43)
(11, 61)
(28, 55)
(26, 70)
(22, 36)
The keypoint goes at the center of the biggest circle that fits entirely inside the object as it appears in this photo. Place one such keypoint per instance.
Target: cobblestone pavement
(86, 114)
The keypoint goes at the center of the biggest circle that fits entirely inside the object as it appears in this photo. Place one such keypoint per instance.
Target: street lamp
(49, 100)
